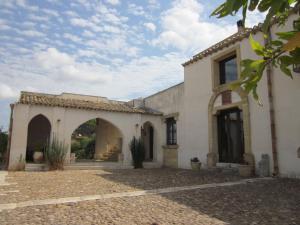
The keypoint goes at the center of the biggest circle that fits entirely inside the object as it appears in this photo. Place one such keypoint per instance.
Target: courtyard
(146, 196)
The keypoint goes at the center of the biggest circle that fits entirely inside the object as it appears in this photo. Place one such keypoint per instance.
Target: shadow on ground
(274, 202)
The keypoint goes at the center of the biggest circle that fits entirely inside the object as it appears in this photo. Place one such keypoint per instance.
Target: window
(228, 70)
(171, 131)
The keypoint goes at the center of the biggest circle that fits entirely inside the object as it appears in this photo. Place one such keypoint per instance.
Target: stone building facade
(200, 117)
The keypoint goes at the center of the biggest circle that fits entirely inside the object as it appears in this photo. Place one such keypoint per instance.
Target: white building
(200, 117)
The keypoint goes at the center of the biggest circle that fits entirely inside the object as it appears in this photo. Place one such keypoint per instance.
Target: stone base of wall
(170, 156)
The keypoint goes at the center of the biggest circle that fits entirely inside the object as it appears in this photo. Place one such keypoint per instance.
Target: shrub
(3, 145)
(195, 159)
(138, 152)
(20, 165)
(55, 154)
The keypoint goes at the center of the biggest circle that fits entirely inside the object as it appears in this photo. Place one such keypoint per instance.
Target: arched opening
(96, 140)
(148, 140)
(229, 128)
(39, 130)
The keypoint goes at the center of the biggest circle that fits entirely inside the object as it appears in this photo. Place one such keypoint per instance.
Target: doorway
(230, 135)
(148, 140)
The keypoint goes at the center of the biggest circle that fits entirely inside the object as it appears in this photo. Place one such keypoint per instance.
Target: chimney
(240, 25)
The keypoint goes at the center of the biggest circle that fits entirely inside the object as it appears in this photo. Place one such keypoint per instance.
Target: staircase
(111, 155)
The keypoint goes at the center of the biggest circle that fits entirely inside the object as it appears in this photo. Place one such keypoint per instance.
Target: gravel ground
(273, 202)
(58, 184)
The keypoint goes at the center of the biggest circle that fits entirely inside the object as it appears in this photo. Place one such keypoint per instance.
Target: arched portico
(116, 129)
(103, 139)
(218, 103)
(66, 112)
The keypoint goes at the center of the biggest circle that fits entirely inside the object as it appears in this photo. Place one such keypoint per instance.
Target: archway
(96, 140)
(221, 105)
(148, 140)
(39, 130)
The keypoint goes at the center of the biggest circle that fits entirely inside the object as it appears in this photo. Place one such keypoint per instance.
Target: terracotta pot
(38, 157)
(72, 158)
(245, 170)
(196, 165)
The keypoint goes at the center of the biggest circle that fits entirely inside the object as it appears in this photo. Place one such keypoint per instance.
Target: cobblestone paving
(274, 202)
(57, 184)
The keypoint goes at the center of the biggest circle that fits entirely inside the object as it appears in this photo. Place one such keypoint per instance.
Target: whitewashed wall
(65, 121)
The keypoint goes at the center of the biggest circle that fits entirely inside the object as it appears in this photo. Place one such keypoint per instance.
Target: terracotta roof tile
(31, 98)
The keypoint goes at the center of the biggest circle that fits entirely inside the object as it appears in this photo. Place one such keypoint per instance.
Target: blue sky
(120, 49)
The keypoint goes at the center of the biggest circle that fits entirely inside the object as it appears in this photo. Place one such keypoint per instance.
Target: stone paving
(58, 184)
(274, 202)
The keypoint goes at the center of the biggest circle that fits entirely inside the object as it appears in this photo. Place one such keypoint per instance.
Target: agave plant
(55, 154)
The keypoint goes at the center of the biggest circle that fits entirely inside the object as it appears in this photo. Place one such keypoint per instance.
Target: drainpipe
(9, 136)
(271, 110)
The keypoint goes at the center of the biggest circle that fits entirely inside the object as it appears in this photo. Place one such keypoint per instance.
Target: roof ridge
(32, 98)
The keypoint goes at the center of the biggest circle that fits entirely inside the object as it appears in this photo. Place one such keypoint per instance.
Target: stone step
(80, 166)
(35, 167)
(96, 167)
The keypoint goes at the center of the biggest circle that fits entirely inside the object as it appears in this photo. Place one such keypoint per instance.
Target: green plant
(283, 51)
(3, 145)
(55, 154)
(138, 152)
(195, 159)
(20, 166)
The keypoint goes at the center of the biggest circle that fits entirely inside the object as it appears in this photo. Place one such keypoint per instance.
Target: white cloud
(51, 12)
(153, 4)
(255, 17)
(31, 33)
(113, 2)
(4, 26)
(71, 13)
(88, 33)
(136, 10)
(150, 26)
(63, 66)
(25, 5)
(72, 37)
(6, 92)
(185, 29)
(80, 22)
(38, 18)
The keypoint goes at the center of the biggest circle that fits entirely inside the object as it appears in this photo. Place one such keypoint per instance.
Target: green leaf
(286, 60)
(286, 70)
(253, 4)
(293, 43)
(286, 35)
(256, 46)
(277, 43)
(264, 5)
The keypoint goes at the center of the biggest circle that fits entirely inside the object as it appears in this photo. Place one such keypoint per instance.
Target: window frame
(222, 69)
(171, 131)
(215, 68)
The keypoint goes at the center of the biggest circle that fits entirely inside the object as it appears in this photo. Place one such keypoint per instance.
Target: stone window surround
(212, 156)
(164, 119)
(235, 50)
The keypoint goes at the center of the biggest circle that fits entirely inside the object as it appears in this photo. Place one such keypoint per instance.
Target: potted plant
(38, 156)
(245, 170)
(195, 163)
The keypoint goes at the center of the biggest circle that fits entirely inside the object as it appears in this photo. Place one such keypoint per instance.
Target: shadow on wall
(255, 203)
